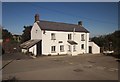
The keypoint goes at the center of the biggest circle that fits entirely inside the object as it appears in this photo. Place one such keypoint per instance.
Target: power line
(72, 15)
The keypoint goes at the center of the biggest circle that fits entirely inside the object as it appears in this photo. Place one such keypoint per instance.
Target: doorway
(39, 48)
(90, 49)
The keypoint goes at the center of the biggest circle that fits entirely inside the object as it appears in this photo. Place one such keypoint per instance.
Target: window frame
(69, 36)
(61, 48)
(82, 37)
(53, 49)
(53, 36)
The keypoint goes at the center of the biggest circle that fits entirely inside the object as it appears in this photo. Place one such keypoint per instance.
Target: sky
(99, 18)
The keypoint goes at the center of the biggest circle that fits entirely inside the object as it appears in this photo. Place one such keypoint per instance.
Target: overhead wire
(72, 15)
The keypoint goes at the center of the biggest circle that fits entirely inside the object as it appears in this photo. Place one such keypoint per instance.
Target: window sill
(69, 50)
(61, 51)
(53, 39)
(82, 40)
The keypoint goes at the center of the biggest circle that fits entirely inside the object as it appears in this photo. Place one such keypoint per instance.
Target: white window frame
(69, 36)
(61, 48)
(82, 37)
(53, 36)
(53, 49)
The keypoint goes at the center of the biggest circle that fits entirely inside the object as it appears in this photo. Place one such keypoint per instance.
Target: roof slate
(29, 44)
(56, 26)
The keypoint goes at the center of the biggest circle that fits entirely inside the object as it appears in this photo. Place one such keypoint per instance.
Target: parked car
(108, 52)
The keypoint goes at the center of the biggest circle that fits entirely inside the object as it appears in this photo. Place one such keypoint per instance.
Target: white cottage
(54, 38)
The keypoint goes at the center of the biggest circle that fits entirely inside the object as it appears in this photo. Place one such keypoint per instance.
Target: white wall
(60, 36)
(33, 50)
(36, 32)
(63, 36)
(24, 50)
(87, 42)
(95, 48)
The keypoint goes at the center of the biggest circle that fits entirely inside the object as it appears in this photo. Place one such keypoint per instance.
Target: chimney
(37, 18)
(80, 23)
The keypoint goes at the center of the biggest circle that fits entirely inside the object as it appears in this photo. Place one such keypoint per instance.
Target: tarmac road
(82, 67)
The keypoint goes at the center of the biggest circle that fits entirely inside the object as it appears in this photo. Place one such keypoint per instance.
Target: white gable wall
(36, 32)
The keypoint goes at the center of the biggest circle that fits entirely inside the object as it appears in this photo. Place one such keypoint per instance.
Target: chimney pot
(80, 23)
(37, 17)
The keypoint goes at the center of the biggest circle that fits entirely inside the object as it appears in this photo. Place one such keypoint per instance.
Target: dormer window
(53, 36)
(69, 36)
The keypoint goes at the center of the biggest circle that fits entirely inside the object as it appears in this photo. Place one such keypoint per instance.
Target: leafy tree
(109, 42)
(6, 35)
(26, 33)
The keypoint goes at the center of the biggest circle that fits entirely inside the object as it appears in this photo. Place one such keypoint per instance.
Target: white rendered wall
(63, 36)
(87, 42)
(33, 50)
(24, 50)
(36, 32)
(95, 48)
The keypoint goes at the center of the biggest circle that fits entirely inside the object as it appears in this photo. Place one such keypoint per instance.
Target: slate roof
(56, 26)
(29, 44)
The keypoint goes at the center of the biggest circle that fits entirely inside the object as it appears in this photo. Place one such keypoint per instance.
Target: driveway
(82, 67)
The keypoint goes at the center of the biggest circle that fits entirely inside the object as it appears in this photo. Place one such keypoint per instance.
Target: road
(82, 67)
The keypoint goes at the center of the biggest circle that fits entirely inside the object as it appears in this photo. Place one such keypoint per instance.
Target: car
(108, 52)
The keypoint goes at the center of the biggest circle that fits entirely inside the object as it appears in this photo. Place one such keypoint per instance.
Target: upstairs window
(53, 49)
(53, 36)
(69, 36)
(82, 37)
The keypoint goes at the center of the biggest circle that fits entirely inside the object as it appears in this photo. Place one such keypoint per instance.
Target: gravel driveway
(82, 67)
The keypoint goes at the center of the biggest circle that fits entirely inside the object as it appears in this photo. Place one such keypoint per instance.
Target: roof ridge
(59, 22)
(59, 26)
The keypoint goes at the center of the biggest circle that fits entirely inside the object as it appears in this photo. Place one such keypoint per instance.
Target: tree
(26, 33)
(109, 42)
(6, 35)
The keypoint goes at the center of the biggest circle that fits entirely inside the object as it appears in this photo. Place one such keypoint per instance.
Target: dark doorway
(90, 49)
(39, 48)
